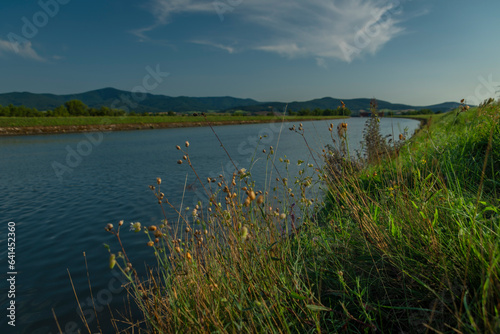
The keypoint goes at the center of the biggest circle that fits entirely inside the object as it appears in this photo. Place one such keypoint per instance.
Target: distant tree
(171, 113)
(304, 112)
(317, 112)
(239, 113)
(60, 111)
(76, 108)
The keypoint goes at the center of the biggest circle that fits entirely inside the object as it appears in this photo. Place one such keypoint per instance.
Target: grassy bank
(406, 240)
(98, 120)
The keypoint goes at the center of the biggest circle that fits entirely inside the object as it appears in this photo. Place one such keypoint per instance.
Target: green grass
(58, 121)
(407, 244)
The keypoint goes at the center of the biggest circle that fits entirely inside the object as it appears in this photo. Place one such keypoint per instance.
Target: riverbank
(17, 126)
(407, 243)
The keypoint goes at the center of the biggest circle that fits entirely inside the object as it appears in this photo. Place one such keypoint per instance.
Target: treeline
(419, 112)
(70, 108)
(321, 112)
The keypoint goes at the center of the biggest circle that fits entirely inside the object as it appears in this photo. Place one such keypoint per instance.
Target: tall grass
(407, 242)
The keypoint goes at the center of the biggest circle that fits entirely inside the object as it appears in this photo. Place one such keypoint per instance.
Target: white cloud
(289, 50)
(227, 48)
(325, 29)
(163, 10)
(24, 49)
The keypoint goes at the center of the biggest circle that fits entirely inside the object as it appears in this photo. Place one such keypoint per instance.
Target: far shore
(58, 129)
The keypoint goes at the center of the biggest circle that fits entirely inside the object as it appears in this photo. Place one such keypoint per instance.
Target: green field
(61, 121)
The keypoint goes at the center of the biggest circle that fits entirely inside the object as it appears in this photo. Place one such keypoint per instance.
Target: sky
(418, 52)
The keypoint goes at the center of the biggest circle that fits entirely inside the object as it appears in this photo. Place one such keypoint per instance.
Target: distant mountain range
(141, 103)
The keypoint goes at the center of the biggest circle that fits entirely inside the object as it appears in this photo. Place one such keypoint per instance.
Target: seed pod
(260, 199)
(151, 243)
(244, 232)
(152, 228)
(112, 261)
(251, 195)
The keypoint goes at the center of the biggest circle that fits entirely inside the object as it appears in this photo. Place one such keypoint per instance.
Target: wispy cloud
(163, 10)
(321, 29)
(24, 50)
(227, 48)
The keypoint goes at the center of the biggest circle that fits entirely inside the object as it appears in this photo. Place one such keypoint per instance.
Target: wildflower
(108, 227)
(423, 161)
(187, 143)
(188, 256)
(282, 216)
(136, 227)
(158, 180)
(152, 228)
(151, 243)
(120, 223)
(242, 171)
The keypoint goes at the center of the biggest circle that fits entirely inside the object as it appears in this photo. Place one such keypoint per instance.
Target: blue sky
(418, 52)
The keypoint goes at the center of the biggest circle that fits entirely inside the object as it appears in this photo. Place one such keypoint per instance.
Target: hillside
(356, 105)
(114, 98)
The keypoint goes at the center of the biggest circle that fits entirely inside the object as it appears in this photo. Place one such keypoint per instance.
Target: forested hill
(140, 103)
